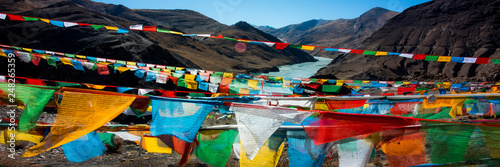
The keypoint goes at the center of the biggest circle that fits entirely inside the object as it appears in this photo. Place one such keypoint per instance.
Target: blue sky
(275, 13)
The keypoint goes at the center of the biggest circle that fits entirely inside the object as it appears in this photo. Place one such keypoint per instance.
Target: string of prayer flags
(215, 146)
(83, 148)
(88, 109)
(179, 117)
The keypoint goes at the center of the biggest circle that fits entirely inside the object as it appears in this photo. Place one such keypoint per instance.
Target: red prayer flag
(220, 36)
(281, 45)
(333, 126)
(35, 59)
(223, 88)
(149, 28)
(35, 82)
(402, 90)
(83, 24)
(173, 79)
(419, 56)
(482, 60)
(102, 69)
(313, 85)
(357, 51)
(168, 93)
(15, 17)
(344, 104)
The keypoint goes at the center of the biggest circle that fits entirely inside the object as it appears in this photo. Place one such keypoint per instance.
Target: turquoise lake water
(302, 70)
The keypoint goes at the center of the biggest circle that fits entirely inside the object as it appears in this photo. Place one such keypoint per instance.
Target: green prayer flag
(107, 138)
(215, 146)
(357, 81)
(431, 58)
(196, 94)
(181, 82)
(30, 18)
(64, 84)
(96, 27)
(17, 48)
(232, 39)
(234, 90)
(160, 30)
(170, 68)
(448, 141)
(295, 46)
(331, 88)
(177, 75)
(495, 61)
(69, 55)
(155, 69)
(367, 52)
(52, 61)
(398, 82)
(34, 98)
(240, 83)
(121, 62)
(443, 114)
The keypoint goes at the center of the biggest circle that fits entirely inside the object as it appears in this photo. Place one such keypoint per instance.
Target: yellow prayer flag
(95, 86)
(379, 53)
(81, 56)
(179, 68)
(227, 75)
(191, 84)
(131, 63)
(175, 32)
(244, 91)
(444, 59)
(242, 40)
(45, 20)
(111, 28)
(252, 84)
(340, 82)
(80, 114)
(66, 61)
(307, 47)
(2, 54)
(189, 77)
(406, 83)
(122, 69)
(155, 145)
(278, 79)
(365, 81)
(456, 105)
(28, 49)
(323, 80)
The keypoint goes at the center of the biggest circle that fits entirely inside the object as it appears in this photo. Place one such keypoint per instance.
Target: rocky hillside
(334, 33)
(149, 47)
(454, 28)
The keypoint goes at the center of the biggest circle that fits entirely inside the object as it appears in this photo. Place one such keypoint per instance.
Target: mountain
(460, 28)
(334, 33)
(148, 47)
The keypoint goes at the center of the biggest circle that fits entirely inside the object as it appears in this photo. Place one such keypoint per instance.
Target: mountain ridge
(450, 28)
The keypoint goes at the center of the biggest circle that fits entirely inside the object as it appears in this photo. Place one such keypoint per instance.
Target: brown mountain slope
(453, 28)
(334, 33)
